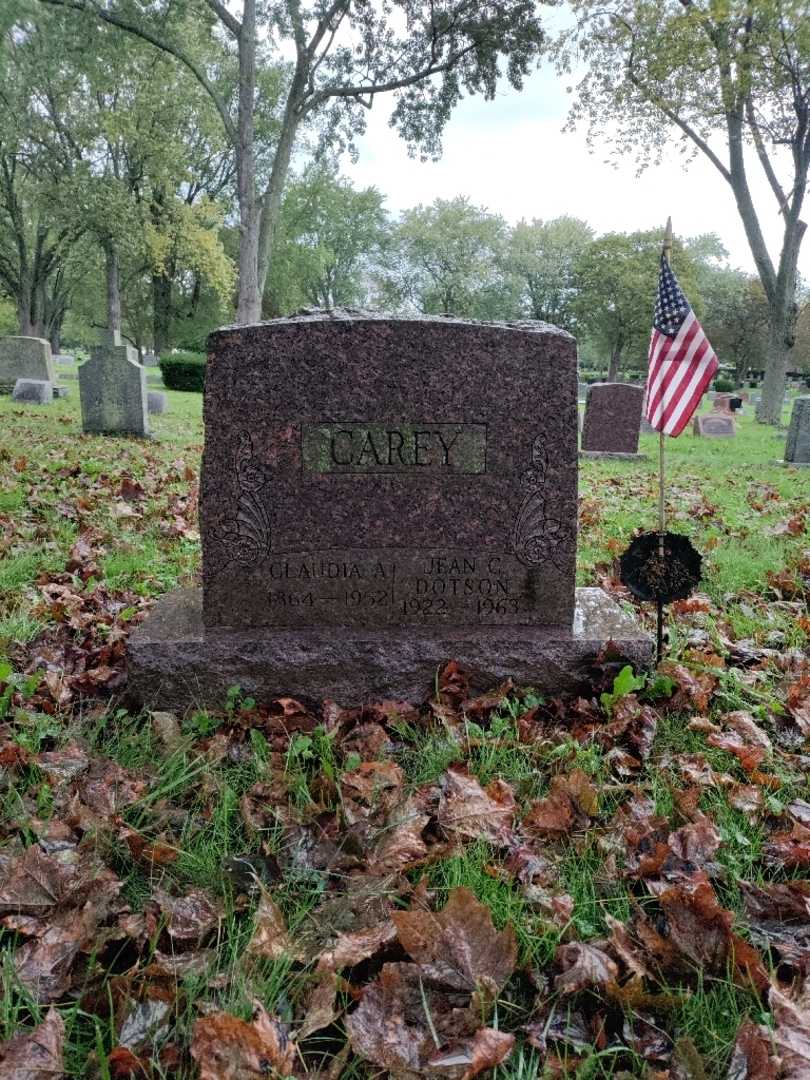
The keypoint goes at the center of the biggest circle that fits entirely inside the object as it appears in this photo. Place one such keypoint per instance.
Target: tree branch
(762, 154)
(146, 35)
(392, 84)
(225, 17)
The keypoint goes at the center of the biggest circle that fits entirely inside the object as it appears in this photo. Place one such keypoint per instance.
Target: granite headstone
(37, 391)
(25, 358)
(380, 495)
(612, 419)
(715, 425)
(156, 401)
(797, 447)
(112, 387)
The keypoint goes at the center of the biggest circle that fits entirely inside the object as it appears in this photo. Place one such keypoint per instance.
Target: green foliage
(543, 255)
(723, 385)
(183, 371)
(616, 277)
(329, 236)
(447, 258)
(625, 683)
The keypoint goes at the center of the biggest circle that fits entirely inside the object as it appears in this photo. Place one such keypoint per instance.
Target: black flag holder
(660, 568)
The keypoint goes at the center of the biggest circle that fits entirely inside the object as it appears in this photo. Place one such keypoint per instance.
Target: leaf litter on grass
(611, 883)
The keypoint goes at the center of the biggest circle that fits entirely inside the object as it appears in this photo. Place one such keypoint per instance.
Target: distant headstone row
(112, 384)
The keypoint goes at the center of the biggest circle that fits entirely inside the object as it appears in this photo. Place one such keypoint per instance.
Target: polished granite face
(612, 418)
(362, 471)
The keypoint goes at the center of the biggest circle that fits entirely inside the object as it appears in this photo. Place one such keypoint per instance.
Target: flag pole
(662, 512)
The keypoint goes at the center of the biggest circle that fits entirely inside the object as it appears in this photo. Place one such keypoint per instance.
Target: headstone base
(794, 464)
(175, 662)
(612, 454)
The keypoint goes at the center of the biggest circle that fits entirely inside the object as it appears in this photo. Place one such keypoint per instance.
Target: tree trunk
(113, 273)
(779, 351)
(161, 311)
(248, 309)
(613, 366)
(271, 202)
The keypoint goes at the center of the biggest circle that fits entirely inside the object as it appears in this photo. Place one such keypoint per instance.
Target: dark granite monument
(612, 420)
(797, 447)
(379, 496)
(715, 425)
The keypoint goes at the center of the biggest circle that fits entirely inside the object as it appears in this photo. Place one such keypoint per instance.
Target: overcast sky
(511, 156)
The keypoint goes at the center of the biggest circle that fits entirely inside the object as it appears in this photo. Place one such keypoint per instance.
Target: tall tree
(327, 242)
(616, 279)
(727, 78)
(37, 236)
(447, 258)
(543, 256)
(428, 53)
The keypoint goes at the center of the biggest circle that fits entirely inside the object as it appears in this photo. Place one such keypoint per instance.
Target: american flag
(682, 362)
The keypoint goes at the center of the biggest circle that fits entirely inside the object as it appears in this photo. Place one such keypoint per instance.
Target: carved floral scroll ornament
(538, 538)
(246, 535)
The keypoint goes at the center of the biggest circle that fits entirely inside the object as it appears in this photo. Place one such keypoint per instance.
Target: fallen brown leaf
(226, 1048)
(37, 1054)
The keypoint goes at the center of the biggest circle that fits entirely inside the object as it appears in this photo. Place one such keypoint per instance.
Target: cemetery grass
(623, 875)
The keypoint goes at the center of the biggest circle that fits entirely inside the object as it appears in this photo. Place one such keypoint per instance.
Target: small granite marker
(797, 447)
(715, 425)
(612, 420)
(112, 387)
(155, 401)
(25, 358)
(37, 391)
(379, 496)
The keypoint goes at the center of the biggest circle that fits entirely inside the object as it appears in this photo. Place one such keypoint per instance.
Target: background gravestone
(797, 447)
(612, 419)
(155, 402)
(715, 425)
(37, 391)
(25, 358)
(379, 496)
(112, 388)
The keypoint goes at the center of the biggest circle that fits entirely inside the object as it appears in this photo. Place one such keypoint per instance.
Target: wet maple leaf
(34, 883)
(270, 939)
(226, 1048)
(453, 684)
(390, 1028)
(402, 844)
(748, 756)
(778, 916)
(791, 1034)
(571, 802)
(583, 966)
(37, 1054)
(459, 945)
(751, 1058)
(468, 810)
(693, 690)
(190, 918)
(788, 849)
(373, 788)
(702, 931)
(486, 1049)
(798, 703)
